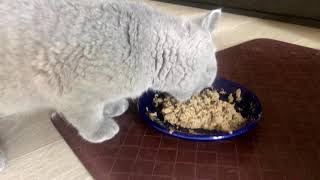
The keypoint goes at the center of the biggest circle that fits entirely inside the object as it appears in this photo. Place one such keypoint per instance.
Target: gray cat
(85, 58)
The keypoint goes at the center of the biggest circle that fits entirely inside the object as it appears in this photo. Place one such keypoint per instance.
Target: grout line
(237, 160)
(223, 29)
(175, 160)
(255, 153)
(40, 148)
(155, 159)
(131, 173)
(118, 151)
(113, 164)
(136, 159)
(196, 159)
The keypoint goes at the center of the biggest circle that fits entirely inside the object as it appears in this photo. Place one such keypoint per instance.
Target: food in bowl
(203, 111)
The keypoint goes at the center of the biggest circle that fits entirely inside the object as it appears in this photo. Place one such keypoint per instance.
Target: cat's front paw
(108, 129)
(56, 116)
(116, 108)
(3, 161)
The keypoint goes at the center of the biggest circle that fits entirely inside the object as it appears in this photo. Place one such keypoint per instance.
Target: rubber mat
(285, 145)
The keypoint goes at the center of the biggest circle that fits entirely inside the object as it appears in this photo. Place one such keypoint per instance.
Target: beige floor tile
(51, 162)
(24, 133)
(290, 33)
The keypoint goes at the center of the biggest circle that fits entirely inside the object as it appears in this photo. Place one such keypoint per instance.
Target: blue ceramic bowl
(250, 108)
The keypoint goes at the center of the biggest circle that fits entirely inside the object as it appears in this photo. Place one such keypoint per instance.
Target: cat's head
(194, 65)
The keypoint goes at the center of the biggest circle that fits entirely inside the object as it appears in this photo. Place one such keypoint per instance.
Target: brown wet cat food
(204, 111)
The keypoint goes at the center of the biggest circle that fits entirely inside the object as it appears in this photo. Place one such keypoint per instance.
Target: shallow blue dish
(250, 108)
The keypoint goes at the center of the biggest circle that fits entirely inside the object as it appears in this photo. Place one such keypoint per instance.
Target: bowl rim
(209, 137)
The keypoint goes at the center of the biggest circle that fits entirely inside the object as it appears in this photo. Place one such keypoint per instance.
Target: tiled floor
(36, 150)
(234, 29)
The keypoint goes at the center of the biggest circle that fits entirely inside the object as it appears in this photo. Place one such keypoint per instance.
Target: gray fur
(85, 58)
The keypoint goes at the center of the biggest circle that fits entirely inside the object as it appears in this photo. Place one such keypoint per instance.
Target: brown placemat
(285, 145)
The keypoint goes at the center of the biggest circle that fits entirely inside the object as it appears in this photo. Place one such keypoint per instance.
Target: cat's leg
(116, 108)
(91, 123)
(108, 128)
(3, 160)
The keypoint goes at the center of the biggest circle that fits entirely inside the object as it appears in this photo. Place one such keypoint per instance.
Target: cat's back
(41, 34)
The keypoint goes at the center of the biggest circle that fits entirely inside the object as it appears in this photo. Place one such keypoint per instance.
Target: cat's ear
(208, 21)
